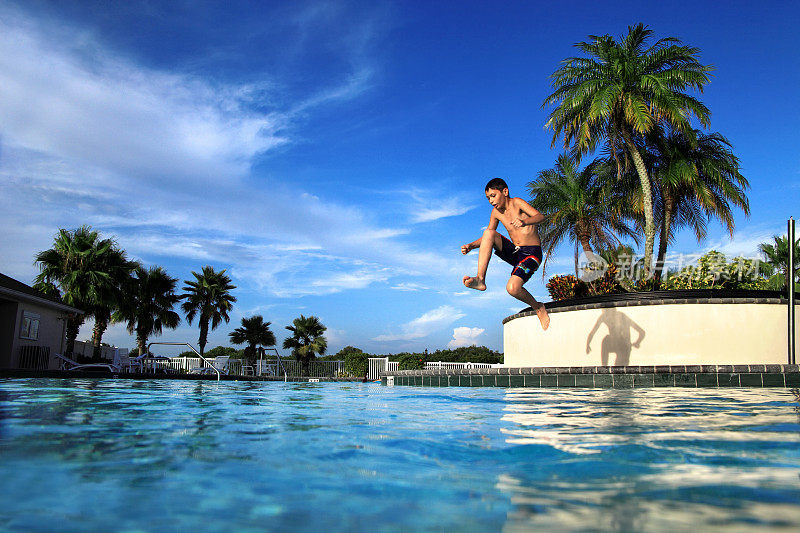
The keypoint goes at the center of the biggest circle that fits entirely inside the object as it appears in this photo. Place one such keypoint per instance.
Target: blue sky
(332, 155)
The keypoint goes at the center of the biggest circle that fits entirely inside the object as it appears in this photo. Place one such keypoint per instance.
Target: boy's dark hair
(497, 184)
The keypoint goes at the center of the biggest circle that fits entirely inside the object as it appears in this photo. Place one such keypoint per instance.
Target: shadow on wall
(618, 340)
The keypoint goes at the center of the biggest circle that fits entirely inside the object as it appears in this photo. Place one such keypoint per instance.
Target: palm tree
(88, 271)
(48, 289)
(209, 298)
(698, 179)
(254, 332)
(580, 205)
(621, 90)
(307, 339)
(148, 304)
(776, 266)
(110, 293)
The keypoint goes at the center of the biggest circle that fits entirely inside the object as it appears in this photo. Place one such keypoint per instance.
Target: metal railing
(34, 357)
(191, 348)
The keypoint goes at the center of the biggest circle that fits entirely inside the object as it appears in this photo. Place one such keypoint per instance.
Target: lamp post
(790, 286)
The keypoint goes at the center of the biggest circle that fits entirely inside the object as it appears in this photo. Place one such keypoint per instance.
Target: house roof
(11, 287)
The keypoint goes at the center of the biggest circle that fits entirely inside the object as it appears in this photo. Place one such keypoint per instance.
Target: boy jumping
(524, 253)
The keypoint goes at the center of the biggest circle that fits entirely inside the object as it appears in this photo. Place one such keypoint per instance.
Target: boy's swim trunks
(524, 259)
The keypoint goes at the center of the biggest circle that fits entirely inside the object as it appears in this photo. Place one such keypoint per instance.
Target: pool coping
(755, 375)
(688, 296)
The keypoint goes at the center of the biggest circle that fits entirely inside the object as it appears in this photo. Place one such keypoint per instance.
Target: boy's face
(497, 198)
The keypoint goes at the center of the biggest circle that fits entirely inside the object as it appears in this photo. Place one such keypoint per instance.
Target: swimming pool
(126, 455)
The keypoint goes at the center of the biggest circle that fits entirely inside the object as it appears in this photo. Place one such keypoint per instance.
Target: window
(30, 326)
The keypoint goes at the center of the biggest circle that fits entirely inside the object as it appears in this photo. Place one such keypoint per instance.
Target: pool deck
(618, 377)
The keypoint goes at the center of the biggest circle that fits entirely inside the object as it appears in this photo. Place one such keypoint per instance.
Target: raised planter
(699, 327)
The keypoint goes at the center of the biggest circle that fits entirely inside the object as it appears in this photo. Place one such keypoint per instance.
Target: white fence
(264, 367)
(185, 365)
(382, 364)
(316, 369)
(86, 348)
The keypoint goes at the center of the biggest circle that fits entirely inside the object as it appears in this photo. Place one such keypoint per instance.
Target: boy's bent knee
(514, 287)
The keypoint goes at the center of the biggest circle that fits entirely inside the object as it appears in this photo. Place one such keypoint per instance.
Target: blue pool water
(120, 455)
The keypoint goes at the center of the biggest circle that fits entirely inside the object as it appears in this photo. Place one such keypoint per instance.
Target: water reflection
(651, 459)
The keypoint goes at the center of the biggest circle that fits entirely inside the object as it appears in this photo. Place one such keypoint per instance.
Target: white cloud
(745, 243)
(424, 325)
(409, 287)
(449, 207)
(71, 99)
(428, 205)
(160, 161)
(465, 336)
(338, 282)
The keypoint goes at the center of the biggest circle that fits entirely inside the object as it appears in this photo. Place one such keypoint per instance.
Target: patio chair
(65, 363)
(221, 363)
(126, 364)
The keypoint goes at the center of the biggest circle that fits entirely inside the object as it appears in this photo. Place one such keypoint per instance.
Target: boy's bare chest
(509, 215)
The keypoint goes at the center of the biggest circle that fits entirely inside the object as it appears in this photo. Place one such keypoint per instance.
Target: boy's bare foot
(544, 318)
(474, 283)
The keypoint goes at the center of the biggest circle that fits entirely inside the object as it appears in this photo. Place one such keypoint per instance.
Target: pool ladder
(279, 364)
(192, 348)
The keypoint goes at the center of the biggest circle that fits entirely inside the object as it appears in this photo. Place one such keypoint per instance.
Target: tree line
(94, 274)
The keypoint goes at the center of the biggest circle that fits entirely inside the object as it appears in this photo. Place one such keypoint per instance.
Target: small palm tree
(307, 340)
(148, 304)
(88, 271)
(254, 332)
(581, 206)
(776, 266)
(698, 178)
(621, 90)
(209, 298)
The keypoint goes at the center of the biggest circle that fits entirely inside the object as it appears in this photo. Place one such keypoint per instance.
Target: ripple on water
(255, 456)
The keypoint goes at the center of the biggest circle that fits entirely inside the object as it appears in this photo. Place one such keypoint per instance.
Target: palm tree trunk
(100, 326)
(647, 199)
(586, 245)
(251, 357)
(662, 244)
(73, 326)
(203, 335)
(141, 341)
(587, 248)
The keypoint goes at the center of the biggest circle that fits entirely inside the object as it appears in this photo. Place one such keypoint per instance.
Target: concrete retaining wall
(686, 331)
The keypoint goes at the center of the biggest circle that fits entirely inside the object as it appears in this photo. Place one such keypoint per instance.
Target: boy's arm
(534, 216)
(493, 222)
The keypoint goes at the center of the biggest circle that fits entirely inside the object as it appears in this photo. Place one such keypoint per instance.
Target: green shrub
(568, 287)
(608, 283)
(411, 362)
(464, 354)
(565, 287)
(220, 351)
(356, 363)
(714, 272)
(467, 354)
